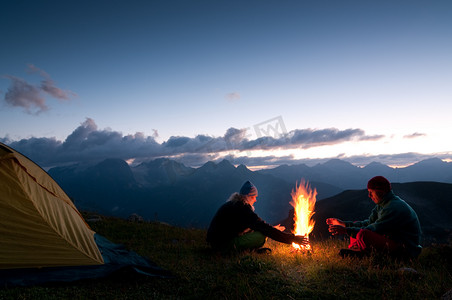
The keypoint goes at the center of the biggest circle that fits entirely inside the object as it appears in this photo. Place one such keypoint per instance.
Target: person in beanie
(393, 226)
(236, 227)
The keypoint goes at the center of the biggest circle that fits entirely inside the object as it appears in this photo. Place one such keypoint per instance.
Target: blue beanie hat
(248, 189)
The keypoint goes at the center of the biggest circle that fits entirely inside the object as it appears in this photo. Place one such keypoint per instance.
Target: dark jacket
(393, 218)
(233, 218)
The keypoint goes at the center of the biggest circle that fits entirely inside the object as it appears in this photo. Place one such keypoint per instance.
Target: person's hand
(280, 227)
(334, 221)
(337, 229)
(300, 240)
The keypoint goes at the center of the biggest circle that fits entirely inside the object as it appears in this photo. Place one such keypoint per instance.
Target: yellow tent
(39, 224)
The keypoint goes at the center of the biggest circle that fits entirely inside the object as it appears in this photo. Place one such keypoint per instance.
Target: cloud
(199, 144)
(414, 135)
(31, 97)
(234, 137)
(85, 144)
(48, 85)
(307, 138)
(89, 143)
(375, 137)
(81, 133)
(23, 94)
(232, 97)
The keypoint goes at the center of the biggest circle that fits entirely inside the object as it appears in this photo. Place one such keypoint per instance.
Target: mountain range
(344, 175)
(167, 191)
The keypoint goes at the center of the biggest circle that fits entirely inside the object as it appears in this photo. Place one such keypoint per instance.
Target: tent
(42, 232)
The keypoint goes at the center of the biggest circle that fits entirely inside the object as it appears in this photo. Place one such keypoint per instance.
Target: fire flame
(303, 202)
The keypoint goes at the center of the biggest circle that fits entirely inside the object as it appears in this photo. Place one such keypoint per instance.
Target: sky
(260, 83)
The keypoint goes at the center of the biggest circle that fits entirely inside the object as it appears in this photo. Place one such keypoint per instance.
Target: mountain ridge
(168, 191)
(347, 176)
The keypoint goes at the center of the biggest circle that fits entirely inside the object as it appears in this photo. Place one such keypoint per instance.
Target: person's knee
(363, 238)
(363, 234)
(250, 240)
(259, 239)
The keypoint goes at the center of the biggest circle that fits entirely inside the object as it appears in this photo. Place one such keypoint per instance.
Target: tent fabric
(44, 238)
(116, 257)
(39, 224)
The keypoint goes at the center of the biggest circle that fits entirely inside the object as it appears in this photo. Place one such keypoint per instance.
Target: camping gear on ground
(43, 237)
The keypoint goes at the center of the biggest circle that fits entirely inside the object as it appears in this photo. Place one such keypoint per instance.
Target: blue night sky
(257, 82)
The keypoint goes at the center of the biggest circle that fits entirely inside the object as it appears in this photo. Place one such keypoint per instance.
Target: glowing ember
(303, 201)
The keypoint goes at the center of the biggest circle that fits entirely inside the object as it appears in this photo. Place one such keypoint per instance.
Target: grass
(201, 274)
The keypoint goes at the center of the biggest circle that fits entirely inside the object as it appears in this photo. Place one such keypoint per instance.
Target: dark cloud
(40, 150)
(88, 143)
(198, 144)
(81, 133)
(177, 141)
(308, 138)
(30, 97)
(264, 143)
(235, 136)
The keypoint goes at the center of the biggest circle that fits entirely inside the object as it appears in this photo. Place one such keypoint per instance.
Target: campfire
(303, 201)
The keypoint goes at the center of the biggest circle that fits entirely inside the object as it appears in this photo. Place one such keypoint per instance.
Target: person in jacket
(236, 227)
(393, 226)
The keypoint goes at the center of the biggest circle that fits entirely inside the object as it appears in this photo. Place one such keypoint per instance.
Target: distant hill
(432, 202)
(344, 175)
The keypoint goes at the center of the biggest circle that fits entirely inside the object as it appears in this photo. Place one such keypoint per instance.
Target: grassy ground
(284, 274)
